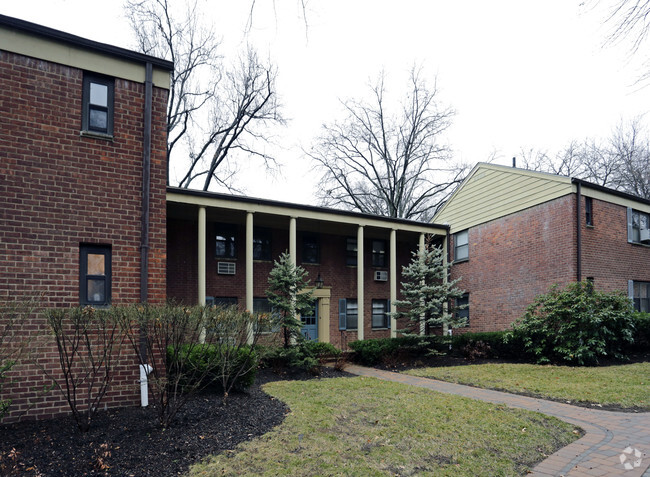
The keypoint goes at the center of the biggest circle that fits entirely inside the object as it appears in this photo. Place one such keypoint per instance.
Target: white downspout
(145, 369)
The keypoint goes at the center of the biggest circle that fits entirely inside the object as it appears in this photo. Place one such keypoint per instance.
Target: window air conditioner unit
(226, 268)
(644, 235)
(381, 276)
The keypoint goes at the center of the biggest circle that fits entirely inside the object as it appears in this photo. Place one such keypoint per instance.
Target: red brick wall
(60, 189)
(515, 258)
(606, 254)
(336, 275)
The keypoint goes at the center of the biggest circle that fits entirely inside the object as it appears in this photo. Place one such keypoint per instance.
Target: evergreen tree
(427, 298)
(288, 296)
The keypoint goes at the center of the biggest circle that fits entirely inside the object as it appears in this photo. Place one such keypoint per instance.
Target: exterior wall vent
(644, 235)
(381, 276)
(226, 268)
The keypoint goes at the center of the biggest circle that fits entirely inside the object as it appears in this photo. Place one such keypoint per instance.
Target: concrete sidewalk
(610, 446)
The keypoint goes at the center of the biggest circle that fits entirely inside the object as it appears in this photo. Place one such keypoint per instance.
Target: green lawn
(627, 386)
(365, 427)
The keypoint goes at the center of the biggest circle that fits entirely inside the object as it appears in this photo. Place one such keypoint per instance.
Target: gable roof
(491, 191)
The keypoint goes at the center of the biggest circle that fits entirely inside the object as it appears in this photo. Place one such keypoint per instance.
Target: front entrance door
(310, 323)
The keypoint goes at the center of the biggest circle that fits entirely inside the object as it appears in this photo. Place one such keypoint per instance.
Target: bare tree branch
(621, 163)
(213, 111)
(388, 164)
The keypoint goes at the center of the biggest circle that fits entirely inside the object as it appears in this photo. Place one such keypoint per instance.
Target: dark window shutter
(630, 232)
(390, 317)
(342, 313)
(630, 289)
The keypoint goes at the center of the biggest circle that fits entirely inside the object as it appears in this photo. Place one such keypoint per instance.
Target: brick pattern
(182, 271)
(60, 189)
(515, 258)
(606, 254)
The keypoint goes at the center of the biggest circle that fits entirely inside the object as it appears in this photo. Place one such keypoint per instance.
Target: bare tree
(388, 164)
(630, 151)
(622, 162)
(213, 111)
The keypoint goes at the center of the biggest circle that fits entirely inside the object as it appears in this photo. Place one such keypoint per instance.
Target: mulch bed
(129, 441)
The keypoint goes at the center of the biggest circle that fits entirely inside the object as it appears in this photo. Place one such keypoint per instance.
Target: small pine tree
(288, 296)
(427, 298)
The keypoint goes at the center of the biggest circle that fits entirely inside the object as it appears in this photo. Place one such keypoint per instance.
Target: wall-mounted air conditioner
(381, 276)
(644, 235)
(226, 268)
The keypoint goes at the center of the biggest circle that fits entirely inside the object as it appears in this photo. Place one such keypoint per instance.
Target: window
(310, 249)
(638, 224)
(640, 294)
(95, 275)
(225, 241)
(462, 307)
(351, 251)
(380, 310)
(378, 253)
(461, 246)
(348, 314)
(221, 301)
(589, 211)
(261, 244)
(97, 115)
(262, 305)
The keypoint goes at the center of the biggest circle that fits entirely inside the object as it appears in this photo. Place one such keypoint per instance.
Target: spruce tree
(289, 297)
(426, 297)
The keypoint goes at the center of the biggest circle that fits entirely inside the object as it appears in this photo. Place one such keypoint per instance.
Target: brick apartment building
(86, 219)
(515, 233)
(354, 260)
(83, 135)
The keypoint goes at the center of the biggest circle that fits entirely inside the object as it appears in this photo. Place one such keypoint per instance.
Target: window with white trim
(461, 246)
(638, 224)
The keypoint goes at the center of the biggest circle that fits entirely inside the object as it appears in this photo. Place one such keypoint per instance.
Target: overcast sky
(520, 74)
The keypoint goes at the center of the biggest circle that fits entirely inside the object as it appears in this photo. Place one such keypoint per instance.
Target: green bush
(216, 364)
(641, 331)
(297, 356)
(492, 344)
(375, 351)
(576, 325)
(321, 350)
(304, 354)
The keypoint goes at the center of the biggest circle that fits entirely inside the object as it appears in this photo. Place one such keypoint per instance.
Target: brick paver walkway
(598, 453)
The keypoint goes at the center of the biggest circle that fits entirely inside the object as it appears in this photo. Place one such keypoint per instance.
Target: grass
(625, 386)
(366, 427)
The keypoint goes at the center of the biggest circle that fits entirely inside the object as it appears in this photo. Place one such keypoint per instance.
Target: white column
(292, 240)
(393, 282)
(202, 255)
(249, 261)
(422, 316)
(360, 273)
